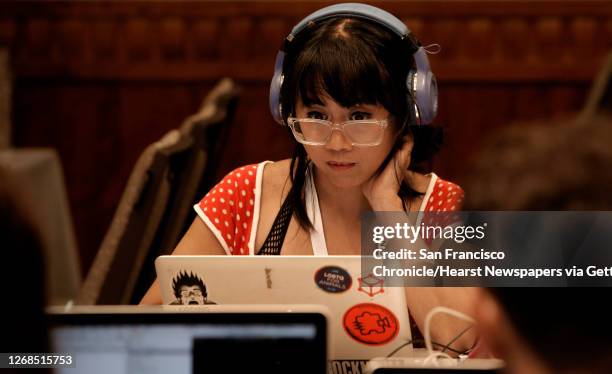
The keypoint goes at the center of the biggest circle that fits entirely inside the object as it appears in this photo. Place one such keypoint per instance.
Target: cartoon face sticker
(189, 289)
(191, 295)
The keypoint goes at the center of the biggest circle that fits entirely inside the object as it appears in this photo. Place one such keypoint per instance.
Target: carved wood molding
(481, 40)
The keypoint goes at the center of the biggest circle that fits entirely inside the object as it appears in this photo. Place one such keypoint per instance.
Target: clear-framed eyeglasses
(311, 131)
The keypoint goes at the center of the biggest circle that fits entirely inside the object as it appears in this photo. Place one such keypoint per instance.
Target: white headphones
(421, 82)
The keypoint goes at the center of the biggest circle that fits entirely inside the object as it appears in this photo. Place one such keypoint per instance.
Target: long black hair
(353, 61)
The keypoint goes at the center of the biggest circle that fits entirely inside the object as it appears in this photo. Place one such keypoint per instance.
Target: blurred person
(562, 165)
(547, 166)
(546, 330)
(23, 327)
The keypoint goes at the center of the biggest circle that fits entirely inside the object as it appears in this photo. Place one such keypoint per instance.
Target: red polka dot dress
(445, 196)
(441, 196)
(231, 208)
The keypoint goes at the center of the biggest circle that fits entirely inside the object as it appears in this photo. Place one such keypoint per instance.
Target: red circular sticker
(371, 324)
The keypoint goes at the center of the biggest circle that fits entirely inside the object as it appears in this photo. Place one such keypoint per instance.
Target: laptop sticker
(268, 277)
(371, 324)
(189, 289)
(333, 279)
(371, 285)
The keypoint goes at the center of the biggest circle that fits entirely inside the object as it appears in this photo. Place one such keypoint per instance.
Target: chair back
(599, 101)
(156, 206)
(192, 174)
(113, 273)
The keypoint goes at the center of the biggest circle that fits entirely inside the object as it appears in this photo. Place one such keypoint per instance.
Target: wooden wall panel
(100, 80)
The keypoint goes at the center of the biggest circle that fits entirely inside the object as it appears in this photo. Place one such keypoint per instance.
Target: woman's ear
(409, 137)
(405, 134)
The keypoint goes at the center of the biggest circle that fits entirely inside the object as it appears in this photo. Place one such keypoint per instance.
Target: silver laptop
(368, 319)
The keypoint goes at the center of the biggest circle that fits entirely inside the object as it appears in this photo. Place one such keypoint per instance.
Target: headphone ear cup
(430, 96)
(275, 89)
(425, 89)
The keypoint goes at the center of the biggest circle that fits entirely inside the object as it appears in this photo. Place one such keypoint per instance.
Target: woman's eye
(359, 116)
(316, 115)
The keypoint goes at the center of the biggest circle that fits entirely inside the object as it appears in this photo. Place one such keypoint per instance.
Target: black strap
(276, 236)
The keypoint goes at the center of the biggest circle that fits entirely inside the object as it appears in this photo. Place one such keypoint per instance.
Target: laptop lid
(368, 319)
(180, 340)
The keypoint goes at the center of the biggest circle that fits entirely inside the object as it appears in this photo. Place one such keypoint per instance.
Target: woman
(346, 80)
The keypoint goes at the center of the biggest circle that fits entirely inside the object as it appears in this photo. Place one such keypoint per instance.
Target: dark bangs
(352, 66)
(348, 76)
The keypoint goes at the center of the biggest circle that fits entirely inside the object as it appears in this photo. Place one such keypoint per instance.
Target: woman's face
(338, 162)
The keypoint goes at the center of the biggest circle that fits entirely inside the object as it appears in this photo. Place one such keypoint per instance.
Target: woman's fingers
(381, 190)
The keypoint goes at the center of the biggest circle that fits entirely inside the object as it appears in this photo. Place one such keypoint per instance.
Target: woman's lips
(336, 165)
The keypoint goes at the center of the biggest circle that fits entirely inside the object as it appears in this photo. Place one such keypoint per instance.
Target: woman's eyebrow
(315, 106)
(367, 107)
(312, 101)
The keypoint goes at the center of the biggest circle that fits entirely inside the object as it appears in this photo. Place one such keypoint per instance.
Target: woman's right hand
(381, 190)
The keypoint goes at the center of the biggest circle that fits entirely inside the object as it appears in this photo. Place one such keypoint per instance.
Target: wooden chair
(599, 101)
(193, 175)
(156, 204)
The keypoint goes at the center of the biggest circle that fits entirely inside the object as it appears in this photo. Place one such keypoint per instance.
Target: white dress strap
(257, 204)
(430, 187)
(317, 235)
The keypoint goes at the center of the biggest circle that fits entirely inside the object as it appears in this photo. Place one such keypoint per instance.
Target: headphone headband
(364, 11)
(421, 82)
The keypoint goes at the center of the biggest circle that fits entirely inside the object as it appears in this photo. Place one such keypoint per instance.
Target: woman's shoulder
(276, 177)
(249, 180)
(441, 184)
(229, 208)
(271, 173)
(243, 175)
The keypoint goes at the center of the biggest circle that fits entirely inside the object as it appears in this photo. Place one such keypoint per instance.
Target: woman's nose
(338, 141)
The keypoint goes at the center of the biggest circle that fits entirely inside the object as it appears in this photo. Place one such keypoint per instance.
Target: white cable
(434, 356)
(68, 305)
(434, 311)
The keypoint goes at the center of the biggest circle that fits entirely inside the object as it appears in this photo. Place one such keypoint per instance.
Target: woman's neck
(349, 201)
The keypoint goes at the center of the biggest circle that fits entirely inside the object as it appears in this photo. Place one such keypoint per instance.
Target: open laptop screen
(185, 343)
